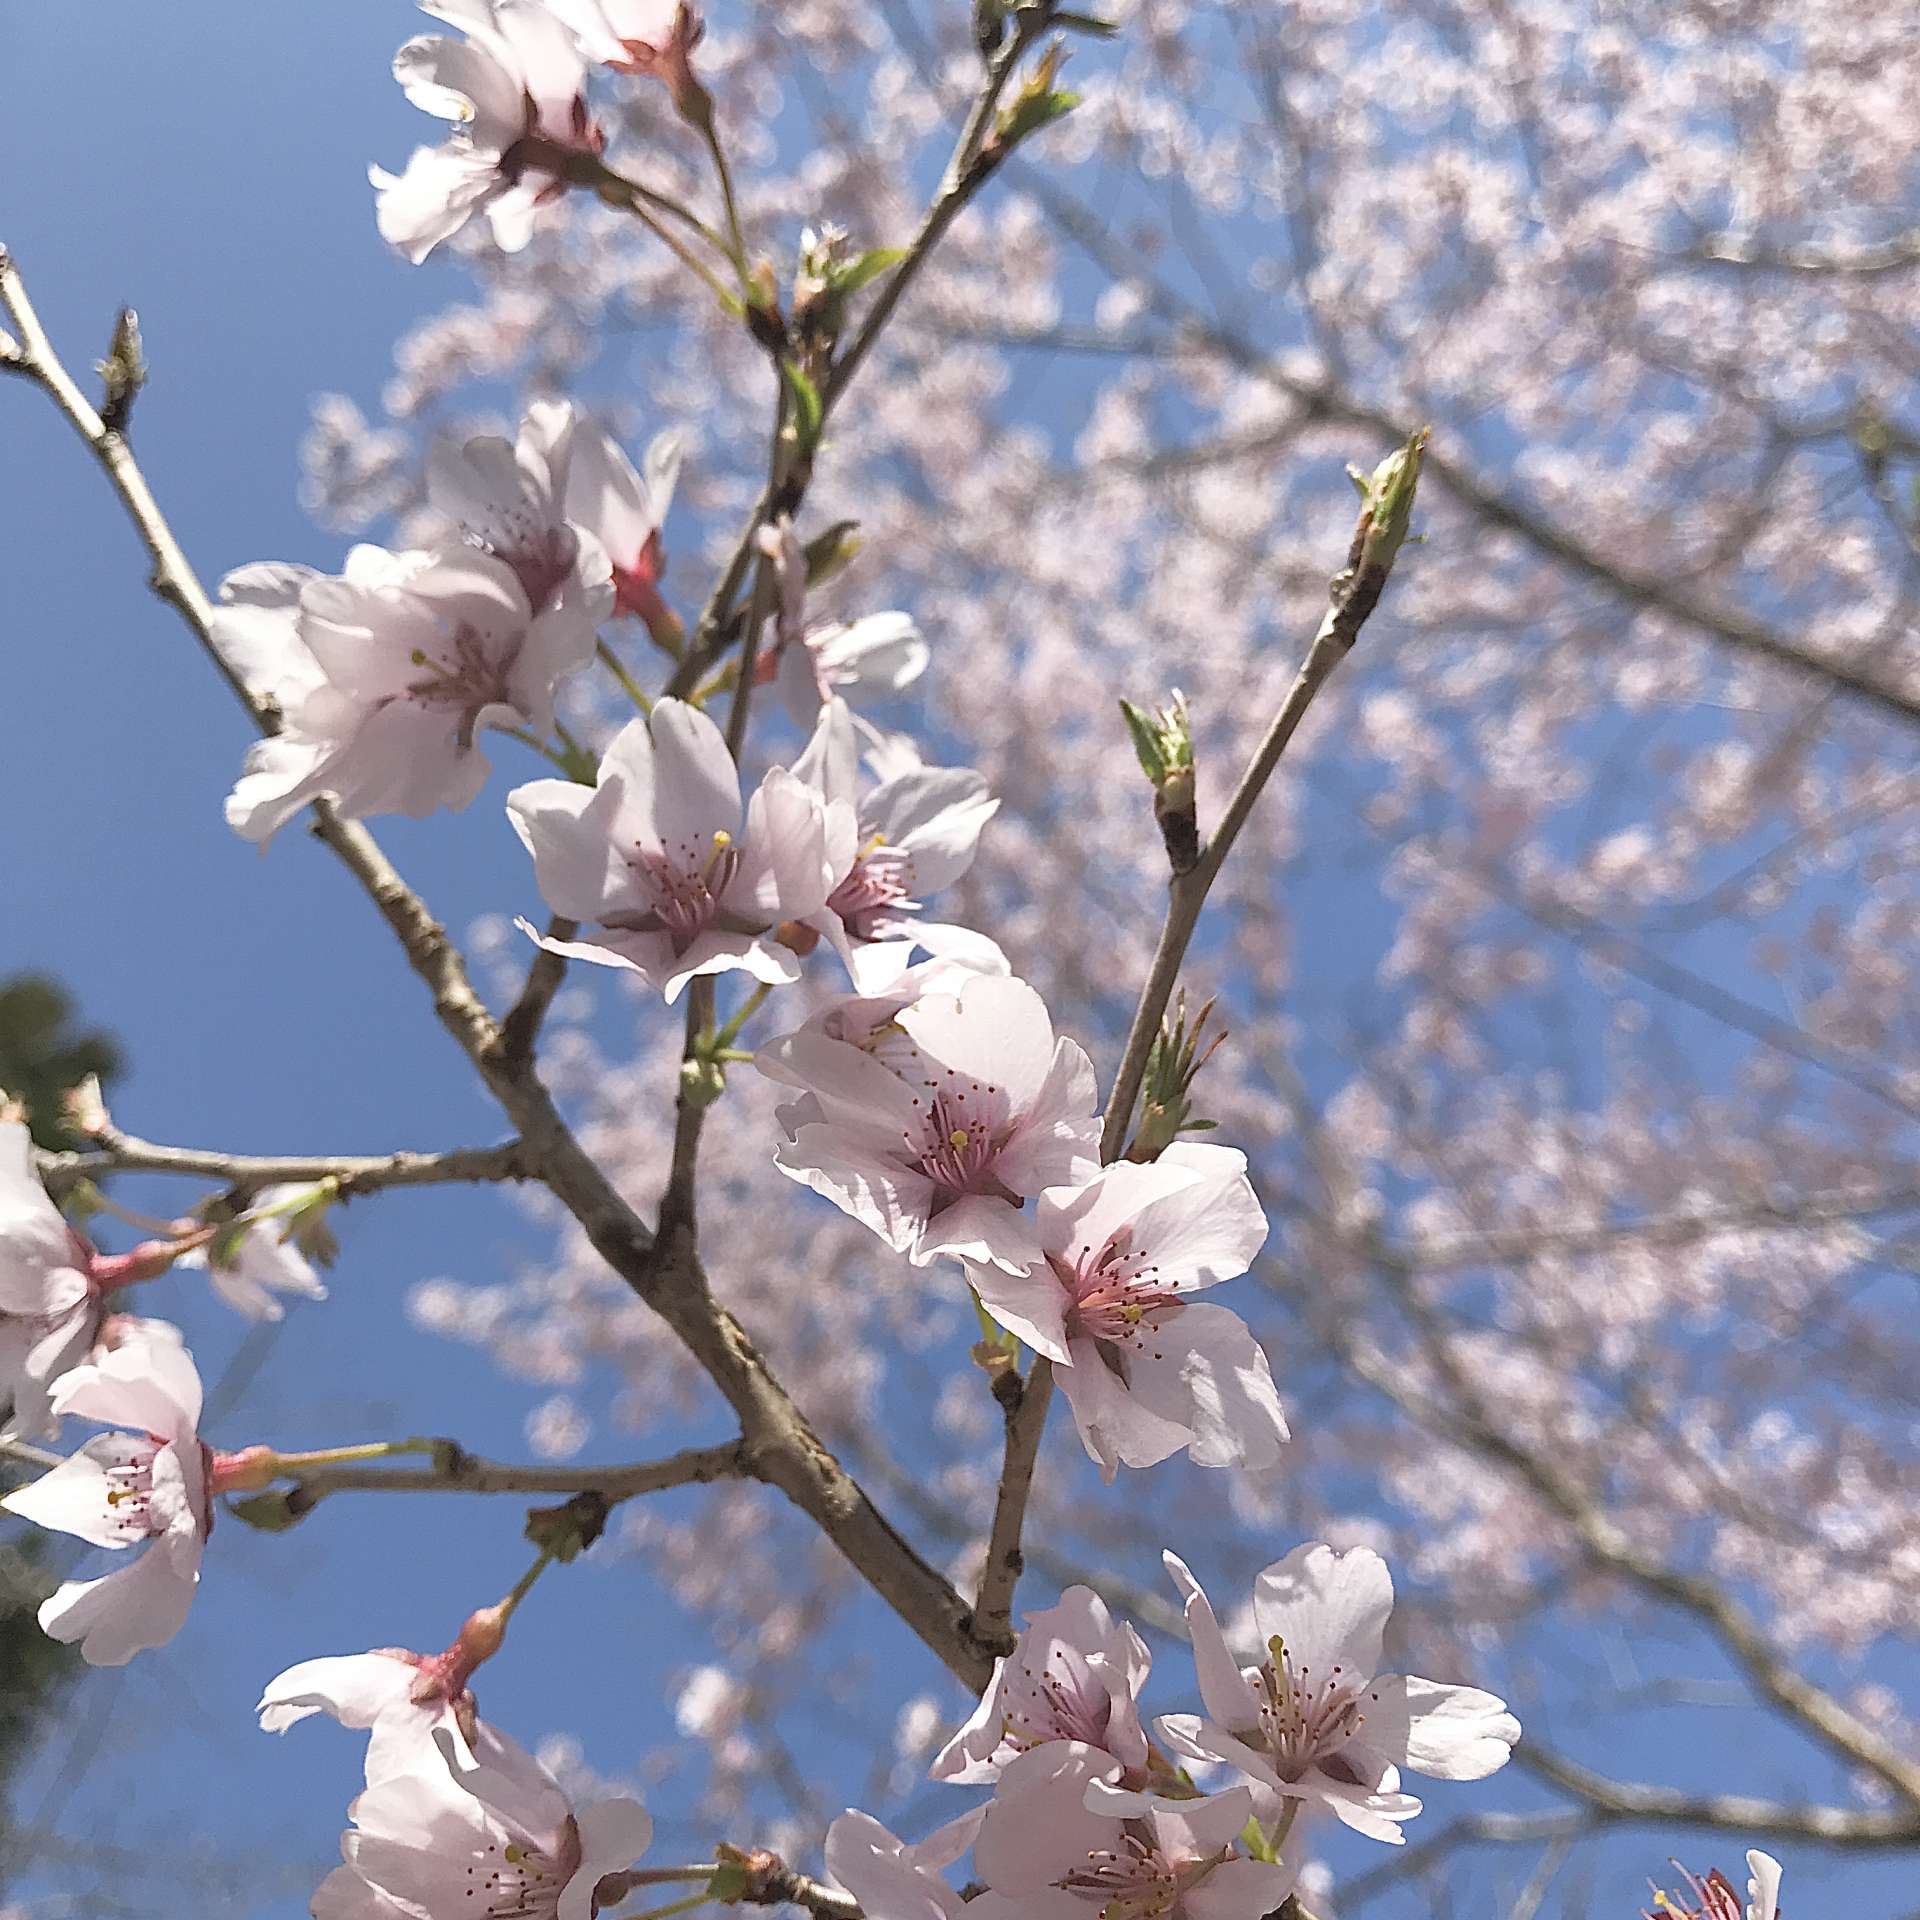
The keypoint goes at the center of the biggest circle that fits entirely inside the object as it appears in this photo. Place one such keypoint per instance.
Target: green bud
(1180, 1049)
(702, 1082)
(1038, 104)
(832, 552)
(1163, 744)
(1386, 503)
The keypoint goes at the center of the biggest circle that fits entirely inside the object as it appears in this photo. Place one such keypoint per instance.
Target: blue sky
(208, 164)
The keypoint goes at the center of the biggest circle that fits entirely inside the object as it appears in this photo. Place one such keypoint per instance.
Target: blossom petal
(1223, 1685)
(1330, 1608)
(125, 1612)
(1451, 1733)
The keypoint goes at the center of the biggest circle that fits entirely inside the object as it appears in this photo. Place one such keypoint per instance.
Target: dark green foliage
(42, 1054)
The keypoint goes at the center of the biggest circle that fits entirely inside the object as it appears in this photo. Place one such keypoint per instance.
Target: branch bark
(355, 1173)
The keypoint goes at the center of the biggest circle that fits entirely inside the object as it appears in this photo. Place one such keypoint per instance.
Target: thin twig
(455, 1470)
(1356, 592)
(249, 1172)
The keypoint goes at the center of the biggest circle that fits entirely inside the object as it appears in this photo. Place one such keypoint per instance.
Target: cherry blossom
(874, 658)
(50, 1303)
(516, 79)
(386, 674)
(499, 1841)
(264, 1260)
(148, 1488)
(1148, 1372)
(654, 37)
(401, 1699)
(1062, 1842)
(1714, 1898)
(895, 1881)
(513, 500)
(916, 835)
(935, 1137)
(1315, 1721)
(1075, 1673)
(625, 510)
(657, 856)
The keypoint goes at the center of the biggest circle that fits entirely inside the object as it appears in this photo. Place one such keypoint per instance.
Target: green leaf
(869, 266)
(1146, 741)
(808, 413)
(1033, 111)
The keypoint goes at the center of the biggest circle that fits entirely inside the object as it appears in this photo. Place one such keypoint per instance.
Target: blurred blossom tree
(1566, 965)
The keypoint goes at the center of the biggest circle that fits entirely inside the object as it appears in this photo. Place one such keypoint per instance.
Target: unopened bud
(702, 1082)
(85, 1108)
(1163, 743)
(482, 1635)
(1386, 505)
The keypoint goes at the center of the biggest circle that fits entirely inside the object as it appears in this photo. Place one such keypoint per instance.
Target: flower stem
(719, 1042)
(687, 1905)
(725, 176)
(628, 684)
(341, 1456)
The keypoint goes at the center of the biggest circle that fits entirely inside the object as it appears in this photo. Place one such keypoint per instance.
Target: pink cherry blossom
(935, 1132)
(916, 835)
(625, 510)
(1314, 1720)
(1714, 1897)
(1062, 1842)
(1075, 1673)
(403, 1700)
(1148, 1372)
(386, 675)
(147, 1488)
(498, 1841)
(516, 78)
(895, 1881)
(656, 855)
(264, 1260)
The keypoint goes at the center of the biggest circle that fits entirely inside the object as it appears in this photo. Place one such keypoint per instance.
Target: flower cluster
(1089, 1814)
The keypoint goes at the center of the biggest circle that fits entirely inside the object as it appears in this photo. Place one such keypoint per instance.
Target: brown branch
(118, 1152)
(781, 1448)
(520, 1030)
(455, 1470)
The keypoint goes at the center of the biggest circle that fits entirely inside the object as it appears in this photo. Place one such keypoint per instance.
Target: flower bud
(1163, 742)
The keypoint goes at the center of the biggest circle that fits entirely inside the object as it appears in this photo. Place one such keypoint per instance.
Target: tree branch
(1356, 592)
(455, 1470)
(355, 1173)
(781, 1448)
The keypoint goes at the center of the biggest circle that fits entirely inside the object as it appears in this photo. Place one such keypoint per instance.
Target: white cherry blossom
(50, 1304)
(935, 1129)
(916, 835)
(146, 1488)
(895, 1881)
(517, 77)
(1075, 1674)
(1147, 1371)
(1314, 1720)
(263, 1261)
(625, 510)
(386, 675)
(657, 855)
(1062, 1842)
(497, 1841)
(512, 500)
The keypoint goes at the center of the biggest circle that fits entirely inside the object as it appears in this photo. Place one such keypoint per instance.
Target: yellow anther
(515, 1854)
(958, 1138)
(722, 839)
